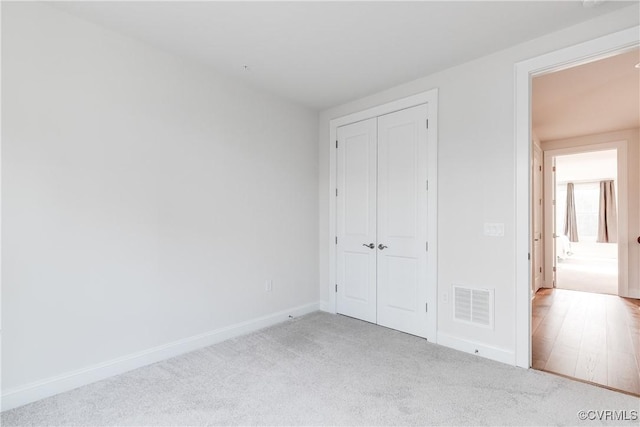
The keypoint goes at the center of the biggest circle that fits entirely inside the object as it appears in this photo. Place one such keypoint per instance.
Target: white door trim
(549, 227)
(623, 204)
(429, 97)
(535, 200)
(564, 58)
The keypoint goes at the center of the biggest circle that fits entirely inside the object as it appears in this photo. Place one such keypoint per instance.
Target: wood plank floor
(588, 336)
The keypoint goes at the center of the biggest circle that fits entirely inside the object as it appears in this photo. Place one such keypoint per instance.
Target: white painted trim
(549, 222)
(553, 61)
(482, 350)
(1, 210)
(537, 149)
(623, 203)
(325, 306)
(70, 380)
(429, 97)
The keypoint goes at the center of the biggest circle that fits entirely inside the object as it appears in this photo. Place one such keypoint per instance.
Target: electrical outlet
(268, 285)
(445, 297)
(494, 229)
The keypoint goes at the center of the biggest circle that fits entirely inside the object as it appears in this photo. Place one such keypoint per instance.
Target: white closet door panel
(359, 184)
(399, 182)
(402, 220)
(403, 273)
(357, 277)
(356, 224)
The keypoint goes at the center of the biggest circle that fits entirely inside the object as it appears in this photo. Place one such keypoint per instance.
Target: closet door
(402, 221)
(356, 220)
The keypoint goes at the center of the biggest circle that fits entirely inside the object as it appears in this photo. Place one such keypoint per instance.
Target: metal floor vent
(473, 305)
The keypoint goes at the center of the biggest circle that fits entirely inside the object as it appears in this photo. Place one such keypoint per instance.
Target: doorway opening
(586, 219)
(585, 127)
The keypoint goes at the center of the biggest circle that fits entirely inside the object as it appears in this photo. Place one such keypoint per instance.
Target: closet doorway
(382, 199)
(385, 244)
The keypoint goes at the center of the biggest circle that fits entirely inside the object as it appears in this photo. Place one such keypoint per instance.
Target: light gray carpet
(324, 369)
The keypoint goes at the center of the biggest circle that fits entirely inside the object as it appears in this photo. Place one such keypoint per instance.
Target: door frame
(430, 98)
(622, 208)
(549, 227)
(536, 149)
(599, 48)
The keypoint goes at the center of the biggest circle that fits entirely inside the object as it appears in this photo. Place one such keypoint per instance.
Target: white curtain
(570, 222)
(608, 217)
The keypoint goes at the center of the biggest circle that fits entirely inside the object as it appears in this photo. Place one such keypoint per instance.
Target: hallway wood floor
(591, 337)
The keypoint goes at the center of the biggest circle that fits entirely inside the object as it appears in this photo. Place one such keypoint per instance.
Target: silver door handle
(381, 246)
(370, 245)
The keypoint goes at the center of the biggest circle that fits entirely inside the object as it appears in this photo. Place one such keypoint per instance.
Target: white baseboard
(324, 306)
(632, 294)
(493, 353)
(60, 383)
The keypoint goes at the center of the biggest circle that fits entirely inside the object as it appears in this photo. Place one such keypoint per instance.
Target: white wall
(632, 137)
(591, 166)
(145, 198)
(476, 176)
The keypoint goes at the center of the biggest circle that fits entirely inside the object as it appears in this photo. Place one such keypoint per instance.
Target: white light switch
(492, 229)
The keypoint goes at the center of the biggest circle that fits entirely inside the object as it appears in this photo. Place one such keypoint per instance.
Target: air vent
(473, 305)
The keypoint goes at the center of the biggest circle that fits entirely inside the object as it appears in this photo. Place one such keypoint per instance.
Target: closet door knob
(381, 246)
(370, 245)
(638, 239)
